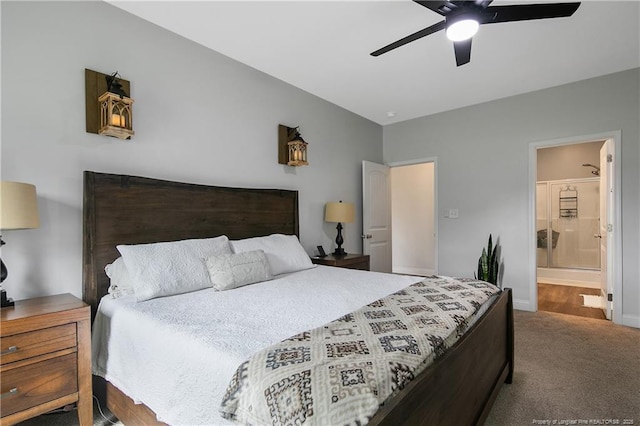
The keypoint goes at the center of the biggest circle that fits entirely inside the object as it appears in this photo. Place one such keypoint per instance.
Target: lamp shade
(18, 206)
(339, 212)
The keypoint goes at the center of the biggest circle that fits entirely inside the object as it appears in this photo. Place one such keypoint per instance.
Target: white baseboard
(523, 305)
(631, 320)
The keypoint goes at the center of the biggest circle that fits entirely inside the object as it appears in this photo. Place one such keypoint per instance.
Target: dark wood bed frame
(459, 388)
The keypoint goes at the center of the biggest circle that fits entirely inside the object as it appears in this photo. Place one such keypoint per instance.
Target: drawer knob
(11, 350)
(11, 392)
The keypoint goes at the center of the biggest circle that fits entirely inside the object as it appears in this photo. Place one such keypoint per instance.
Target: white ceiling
(323, 48)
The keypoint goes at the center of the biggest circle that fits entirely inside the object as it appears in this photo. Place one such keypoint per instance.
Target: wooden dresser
(350, 261)
(46, 358)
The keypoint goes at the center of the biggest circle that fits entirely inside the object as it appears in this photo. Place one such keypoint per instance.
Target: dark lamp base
(339, 251)
(6, 302)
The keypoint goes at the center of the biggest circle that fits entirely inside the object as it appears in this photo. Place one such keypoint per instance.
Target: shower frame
(549, 219)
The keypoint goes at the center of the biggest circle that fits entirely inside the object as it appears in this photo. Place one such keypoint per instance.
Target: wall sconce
(108, 107)
(292, 149)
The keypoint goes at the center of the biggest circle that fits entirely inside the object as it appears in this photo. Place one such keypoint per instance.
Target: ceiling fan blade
(444, 7)
(408, 39)
(462, 50)
(440, 7)
(525, 12)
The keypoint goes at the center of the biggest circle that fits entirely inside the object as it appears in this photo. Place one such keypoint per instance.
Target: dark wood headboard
(121, 209)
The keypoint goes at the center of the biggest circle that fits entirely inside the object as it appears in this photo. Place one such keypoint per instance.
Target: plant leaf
(485, 265)
(489, 247)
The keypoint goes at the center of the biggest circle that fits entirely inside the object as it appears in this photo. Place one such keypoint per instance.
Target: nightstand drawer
(27, 345)
(34, 384)
(349, 261)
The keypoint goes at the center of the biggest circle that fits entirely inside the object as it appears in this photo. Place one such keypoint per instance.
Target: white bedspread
(177, 354)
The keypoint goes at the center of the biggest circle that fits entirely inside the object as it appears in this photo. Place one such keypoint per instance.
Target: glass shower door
(567, 221)
(542, 224)
(577, 222)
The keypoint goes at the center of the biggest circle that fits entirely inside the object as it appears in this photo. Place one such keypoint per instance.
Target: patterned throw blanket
(342, 372)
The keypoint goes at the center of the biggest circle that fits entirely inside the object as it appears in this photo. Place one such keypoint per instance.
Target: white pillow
(284, 252)
(120, 282)
(228, 271)
(168, 268)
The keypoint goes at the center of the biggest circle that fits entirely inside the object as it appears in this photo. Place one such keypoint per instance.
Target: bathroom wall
(566, 162)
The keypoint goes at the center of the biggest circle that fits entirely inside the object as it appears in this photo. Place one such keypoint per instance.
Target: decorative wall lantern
(292, 149)
(110, 113)
(115, 110)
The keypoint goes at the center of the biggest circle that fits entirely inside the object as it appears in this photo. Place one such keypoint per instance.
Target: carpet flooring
(571, 370)
(568, 371)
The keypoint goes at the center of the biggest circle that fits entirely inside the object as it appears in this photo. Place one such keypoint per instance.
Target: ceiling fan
(462, 19)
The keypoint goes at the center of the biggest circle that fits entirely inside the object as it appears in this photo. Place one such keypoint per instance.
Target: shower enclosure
(567, 220)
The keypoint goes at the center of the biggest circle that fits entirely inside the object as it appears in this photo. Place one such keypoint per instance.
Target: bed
(459, 387)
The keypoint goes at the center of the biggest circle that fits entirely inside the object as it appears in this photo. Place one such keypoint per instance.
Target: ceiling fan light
(462, 29)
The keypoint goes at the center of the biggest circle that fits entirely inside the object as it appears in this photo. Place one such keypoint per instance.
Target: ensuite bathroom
(568, 232)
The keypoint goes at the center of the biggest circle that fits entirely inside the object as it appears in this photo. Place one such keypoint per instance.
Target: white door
(376, 215)
(605, 231)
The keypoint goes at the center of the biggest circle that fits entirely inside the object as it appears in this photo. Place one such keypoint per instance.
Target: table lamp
(341, 213)
(18, 210)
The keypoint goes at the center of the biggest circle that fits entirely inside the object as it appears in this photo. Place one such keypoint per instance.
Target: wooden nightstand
(351, 261)
(46, 358)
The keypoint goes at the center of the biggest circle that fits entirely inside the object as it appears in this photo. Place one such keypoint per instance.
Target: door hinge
(609, 158)
(609, 227)
(610, 297)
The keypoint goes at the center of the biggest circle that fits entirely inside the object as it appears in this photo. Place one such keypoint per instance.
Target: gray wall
(198, 116)
(483, 161)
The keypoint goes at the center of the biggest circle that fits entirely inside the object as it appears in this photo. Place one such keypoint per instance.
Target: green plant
(488, 264)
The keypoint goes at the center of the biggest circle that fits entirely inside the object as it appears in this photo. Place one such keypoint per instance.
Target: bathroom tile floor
(567, 300)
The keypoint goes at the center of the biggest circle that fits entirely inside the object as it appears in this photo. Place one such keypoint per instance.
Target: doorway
(575, 267)
(399, 216)
(413, 219)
